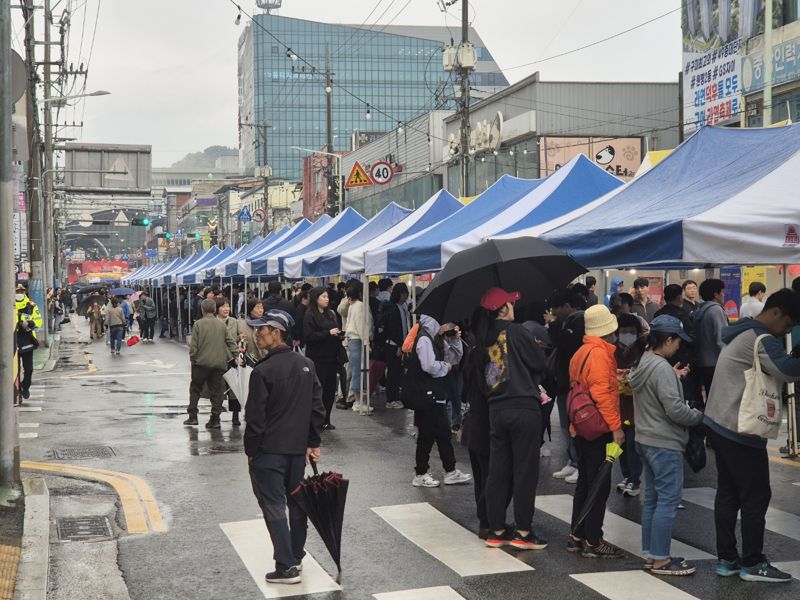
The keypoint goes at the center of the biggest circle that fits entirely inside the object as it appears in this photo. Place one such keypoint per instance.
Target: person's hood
(731, 331)
(615, 281)
(640, 374)
(272, 300)
(704, 308)
(429, 324)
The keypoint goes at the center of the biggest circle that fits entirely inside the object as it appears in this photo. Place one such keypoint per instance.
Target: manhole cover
(81, 529)
(82, 453)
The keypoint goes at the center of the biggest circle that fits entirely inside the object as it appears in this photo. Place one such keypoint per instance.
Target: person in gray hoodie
(427, 369)
(742, 463)
(662, 417)
(709, 321)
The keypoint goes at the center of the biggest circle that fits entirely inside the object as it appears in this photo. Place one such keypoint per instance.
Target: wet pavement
(124, 414)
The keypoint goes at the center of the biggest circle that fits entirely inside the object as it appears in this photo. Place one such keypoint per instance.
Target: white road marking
(28, 425)
(120, 375)
(778, 521)
(251, 541)
(28, 435)
(618, 530)
(447, 541)
(432, 593)
(29, 408)
(793, 568)
(33, 396)
(631, 585)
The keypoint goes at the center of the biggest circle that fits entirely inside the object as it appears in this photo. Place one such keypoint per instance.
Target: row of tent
(725, 196)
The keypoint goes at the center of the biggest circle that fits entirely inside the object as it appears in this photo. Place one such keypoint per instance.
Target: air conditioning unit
(450, 58)
(467, 56)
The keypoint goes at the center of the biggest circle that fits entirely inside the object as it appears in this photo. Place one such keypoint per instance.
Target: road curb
(51, 361)
(34, 561)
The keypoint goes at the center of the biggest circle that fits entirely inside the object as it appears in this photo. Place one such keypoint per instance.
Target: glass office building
(381, 76)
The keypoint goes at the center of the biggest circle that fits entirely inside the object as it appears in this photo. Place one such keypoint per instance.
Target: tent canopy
(304, 228)
(308, 265)
(725, 196)
(196, 273)
(342, 225)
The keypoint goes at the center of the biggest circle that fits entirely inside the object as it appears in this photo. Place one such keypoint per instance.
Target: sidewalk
(45, 358)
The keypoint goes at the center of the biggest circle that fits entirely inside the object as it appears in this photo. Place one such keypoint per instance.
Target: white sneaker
(572, 478)
(395, 404)
(565, 472)
(424, 481)
(622, 484)
(456, 477)
(356, 406)
(365, 410)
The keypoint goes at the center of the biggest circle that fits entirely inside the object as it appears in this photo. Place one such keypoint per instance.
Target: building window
(791, 11)
(275, 50)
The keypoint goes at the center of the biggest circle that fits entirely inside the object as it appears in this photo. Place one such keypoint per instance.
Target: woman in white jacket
(358, 325)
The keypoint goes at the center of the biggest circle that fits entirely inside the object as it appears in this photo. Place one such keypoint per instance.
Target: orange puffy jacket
(599, 377)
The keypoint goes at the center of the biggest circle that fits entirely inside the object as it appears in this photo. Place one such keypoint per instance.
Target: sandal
(648, 564)
(675, 566)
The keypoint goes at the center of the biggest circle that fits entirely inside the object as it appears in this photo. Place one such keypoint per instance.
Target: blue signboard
(152, 253)
(245, 216)
(785, 66)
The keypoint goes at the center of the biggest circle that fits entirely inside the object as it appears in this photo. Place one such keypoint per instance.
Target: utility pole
(49, 232)
(329, 124)
(464, 75)
(9, 444)
(36, 238)
(266, 173)
(767, 112)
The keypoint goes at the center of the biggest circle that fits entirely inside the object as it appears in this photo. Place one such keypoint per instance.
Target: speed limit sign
(381, 173)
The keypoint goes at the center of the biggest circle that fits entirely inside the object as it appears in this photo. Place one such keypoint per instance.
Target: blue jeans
(355, 348)
(663, 480)
(630, 464)
(117, 332)
(563, 421)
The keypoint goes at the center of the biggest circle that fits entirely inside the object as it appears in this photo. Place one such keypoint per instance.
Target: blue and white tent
(304, 228)
(311, 264)
(338, 228)
(170, 277)
(146, 278)
(217, 269)
(508, 205)
(724, 196)
(196, 273)
(351, 259)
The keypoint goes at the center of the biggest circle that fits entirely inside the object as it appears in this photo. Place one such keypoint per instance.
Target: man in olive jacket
(211, 348)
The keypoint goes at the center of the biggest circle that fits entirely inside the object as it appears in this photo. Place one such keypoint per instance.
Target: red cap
(495, 298)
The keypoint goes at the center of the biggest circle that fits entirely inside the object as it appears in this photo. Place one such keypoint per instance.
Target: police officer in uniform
(28, 321)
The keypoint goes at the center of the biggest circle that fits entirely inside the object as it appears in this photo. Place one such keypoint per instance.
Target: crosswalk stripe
(793, 568)
(778, 521)
(447, 541)
(251, 541)
(28, 435)
(432, 593)
(28, 425)
(29, 408)
(618, 530)
(631, 585)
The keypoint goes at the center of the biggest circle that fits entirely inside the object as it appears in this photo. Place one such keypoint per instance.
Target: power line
(611, 37)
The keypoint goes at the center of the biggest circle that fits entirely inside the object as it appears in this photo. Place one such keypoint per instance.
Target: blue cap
(278, 319)
(669, 324)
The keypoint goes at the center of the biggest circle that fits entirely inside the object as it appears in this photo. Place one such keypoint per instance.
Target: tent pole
(364, 366)
(169, 314)
(414, 298)
(791, 403)
(605, 291)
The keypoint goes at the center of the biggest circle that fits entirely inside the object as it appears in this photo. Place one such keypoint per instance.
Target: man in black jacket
(274, 300)
(284, 414)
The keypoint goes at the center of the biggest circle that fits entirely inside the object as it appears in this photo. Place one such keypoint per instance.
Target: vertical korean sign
(713, 31)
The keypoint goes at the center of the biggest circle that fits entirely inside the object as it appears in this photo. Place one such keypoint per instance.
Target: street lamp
(62, 100)
(338, 169)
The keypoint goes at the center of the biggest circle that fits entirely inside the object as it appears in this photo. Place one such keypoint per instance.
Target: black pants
(394, 375)
(591, 456)
(213, 379)
(480, 475)
(516, 434)
(274, 477)
(326, 373)
(742, 486)
(149, 326)
(434, 426)
(26, 371)
(706, 376)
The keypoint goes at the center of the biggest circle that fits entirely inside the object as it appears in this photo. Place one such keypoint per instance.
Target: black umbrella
(86, 302)
(613, 452)
(88, 289)
(322, 497)
(528, 265)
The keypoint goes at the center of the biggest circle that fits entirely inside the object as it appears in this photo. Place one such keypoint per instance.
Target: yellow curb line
(128, 495)
(776, 457)
(9, 561)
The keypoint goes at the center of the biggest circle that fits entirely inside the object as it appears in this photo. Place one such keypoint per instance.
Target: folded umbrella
(322, 497)
(613, 452)
(527, 265)
(238, 380)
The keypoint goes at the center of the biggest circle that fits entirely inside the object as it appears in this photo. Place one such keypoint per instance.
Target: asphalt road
(135, 404)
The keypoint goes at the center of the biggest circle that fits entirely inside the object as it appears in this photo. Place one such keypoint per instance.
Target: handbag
(760, 410)
(582, 410)
(695, 453)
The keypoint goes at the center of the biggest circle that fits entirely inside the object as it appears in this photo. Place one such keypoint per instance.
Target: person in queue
(247, 333)
(322, 337)
(232, 325)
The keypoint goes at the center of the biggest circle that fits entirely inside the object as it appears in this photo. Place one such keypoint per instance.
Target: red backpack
(582, 410)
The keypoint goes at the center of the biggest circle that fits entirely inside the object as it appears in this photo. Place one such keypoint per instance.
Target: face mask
(627, 339)
(19, 297)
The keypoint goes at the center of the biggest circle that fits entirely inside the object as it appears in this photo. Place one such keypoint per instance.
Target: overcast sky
(170, 65)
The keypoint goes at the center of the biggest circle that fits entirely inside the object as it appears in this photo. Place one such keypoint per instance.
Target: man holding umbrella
(284, 415)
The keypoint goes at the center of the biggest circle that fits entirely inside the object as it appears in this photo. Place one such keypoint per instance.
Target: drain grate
(83, 453)
(81, 529)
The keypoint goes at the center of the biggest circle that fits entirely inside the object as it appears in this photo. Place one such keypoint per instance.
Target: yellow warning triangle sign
(358, 177)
